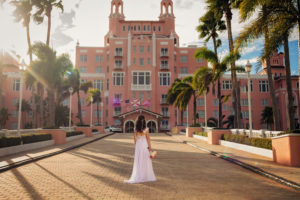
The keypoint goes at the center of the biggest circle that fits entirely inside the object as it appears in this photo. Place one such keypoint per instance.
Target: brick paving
(97, 171)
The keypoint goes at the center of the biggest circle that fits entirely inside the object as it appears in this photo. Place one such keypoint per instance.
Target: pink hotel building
(139, 61)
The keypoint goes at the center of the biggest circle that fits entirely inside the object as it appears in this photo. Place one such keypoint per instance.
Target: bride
(142, 165)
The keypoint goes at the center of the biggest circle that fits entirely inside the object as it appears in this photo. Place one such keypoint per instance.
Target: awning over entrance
(128, 120)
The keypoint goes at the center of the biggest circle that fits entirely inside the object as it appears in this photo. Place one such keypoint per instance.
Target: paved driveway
(97, 171)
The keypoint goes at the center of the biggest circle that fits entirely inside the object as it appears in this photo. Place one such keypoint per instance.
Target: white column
(249, 105)
(154, 49)
(20, 105)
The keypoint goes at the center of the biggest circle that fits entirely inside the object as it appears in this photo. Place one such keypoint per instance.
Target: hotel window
(134, 28)
(227, 85)
(175, 69)
(99, 59)
(154, 28)
(216, 102)
(199, 60)
(99, 113)
(82, 69)
(245, 114)
(148, 49)
(159, 29)
(244, 102)
(133, 95)
(14, 113)
(65, 102)
(185, 114)
(118, 79)
(141, 61)
(118, 96)
(124, 28)
(264, 102)
(148, 95)
(134, 49)
(139, 27)
(164, 51)
(83, 113)
(99, 70)
(107, 57)
(201, 114)
(148, 61)
(225, 107)
(118, 64)
(128, 28)
(165, 111)
(263, 86)
(141, 96)
(200, 102)
(216, 114)
(144, 28)
(117, 110)
(98, 84)
(118, 52)
(30, 114)
(141, 78)
(134, 61)
(183, 70)
(175, 57)
(15, 101)
(164, 79)
(83, 58)
(141, 49)
(148, 28)
(164, 64)
(82, 101)
(16, 85)
(183, 59)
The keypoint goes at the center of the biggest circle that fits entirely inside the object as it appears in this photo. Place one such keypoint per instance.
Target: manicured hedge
(26, 138)
(83, 125)
(74, 133)
(201, 133)
(265, 143)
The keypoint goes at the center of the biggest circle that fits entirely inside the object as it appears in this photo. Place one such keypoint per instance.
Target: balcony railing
(116, 113)
(141, 87)
(118, 66)
(163, 101)
(164, 66)
(118, 54)
(165, 114)
(164, 54)
(165, 128)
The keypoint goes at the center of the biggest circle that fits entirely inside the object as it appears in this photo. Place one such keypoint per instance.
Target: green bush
(74, 133)
(195, 125)
(83, 125)
(51, 127)
(265, 143)
(26, 138)
(201, 133)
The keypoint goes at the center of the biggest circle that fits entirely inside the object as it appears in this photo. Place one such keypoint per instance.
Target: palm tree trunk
(235, 97)
(79, 108)
(272, 90)
(33, 107)
(49, 27)
(41, 88)
(195, 108)
(98, 112)
(291, 110)
(29, 42)
(51, 107)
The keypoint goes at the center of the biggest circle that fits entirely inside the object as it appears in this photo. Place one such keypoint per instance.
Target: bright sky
(87, 21)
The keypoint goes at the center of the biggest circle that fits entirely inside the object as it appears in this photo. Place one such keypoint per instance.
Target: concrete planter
(248, 148)
(25, 147)
(58, 135)
(87, 131)
(178, 128)
(200, 137)
(286, 149)
(99, 128)
(68, 139)
(214, 135)
(191, 130)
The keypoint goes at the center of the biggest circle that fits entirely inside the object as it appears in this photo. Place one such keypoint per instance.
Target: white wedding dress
(142, 166)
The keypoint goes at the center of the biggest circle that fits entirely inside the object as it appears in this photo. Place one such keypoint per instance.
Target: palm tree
(44, 8)
(49, 70)
(262, 25)
(4, 116)
(217, 71)
(210, 25)
(25, 109)
(267, 116)
(224, 7)
(22, 14)
(229, 121)
(96, 95)
(31, 83)
(74, 82)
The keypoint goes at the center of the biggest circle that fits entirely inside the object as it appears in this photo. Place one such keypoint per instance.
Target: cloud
(77, 5)
(254, 61)
(185, 4)
(67, 19)
(59, 38)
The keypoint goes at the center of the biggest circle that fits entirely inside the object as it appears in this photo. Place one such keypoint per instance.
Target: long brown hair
(140, 124)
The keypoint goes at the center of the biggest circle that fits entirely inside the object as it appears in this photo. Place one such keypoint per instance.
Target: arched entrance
(152, 126)
(129, 127)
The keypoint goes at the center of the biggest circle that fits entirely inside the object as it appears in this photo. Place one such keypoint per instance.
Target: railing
(256, 133)
(118, 66)
(163, 101)
(164, 54)
(164, 66)
(165, 114)
(141, 87)
(118, 54)
(116, 113)
(6, 132)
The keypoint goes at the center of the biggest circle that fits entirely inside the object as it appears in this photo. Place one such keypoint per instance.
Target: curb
(30, 160)
(252, 168)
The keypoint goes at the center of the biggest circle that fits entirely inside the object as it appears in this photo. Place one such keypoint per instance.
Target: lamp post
(248, 70)
(92, 112)
(22, 68)
(70, 113)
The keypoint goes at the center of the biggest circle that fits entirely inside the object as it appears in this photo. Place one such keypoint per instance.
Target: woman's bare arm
(148, 140)
(134, 137)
